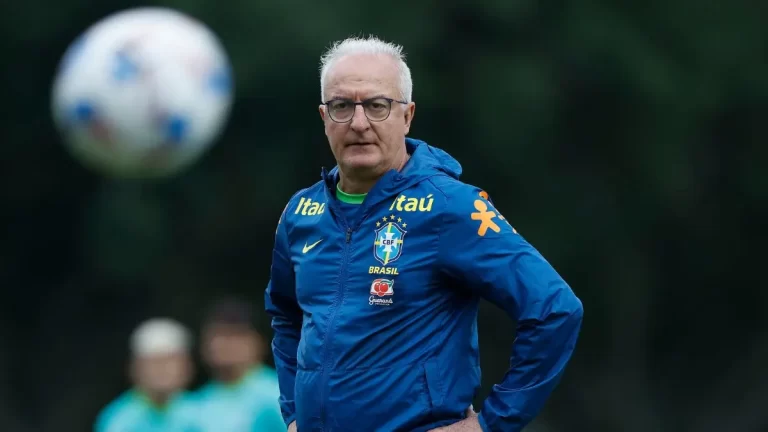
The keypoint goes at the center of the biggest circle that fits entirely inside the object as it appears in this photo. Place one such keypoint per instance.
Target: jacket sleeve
(281, 304)
(482, 250)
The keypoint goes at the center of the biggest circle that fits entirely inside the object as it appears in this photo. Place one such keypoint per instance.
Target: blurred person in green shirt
(160, 369)
(243, 393)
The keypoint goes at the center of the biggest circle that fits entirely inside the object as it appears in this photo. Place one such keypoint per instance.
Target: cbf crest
(389, 240)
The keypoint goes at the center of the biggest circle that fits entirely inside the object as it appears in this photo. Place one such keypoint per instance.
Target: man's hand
(292, 427)
(469, 424)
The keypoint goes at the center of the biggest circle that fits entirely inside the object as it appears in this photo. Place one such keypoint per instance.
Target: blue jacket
(375, 319)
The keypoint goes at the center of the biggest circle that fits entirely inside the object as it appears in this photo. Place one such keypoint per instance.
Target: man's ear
(410, 111)
(323, 115)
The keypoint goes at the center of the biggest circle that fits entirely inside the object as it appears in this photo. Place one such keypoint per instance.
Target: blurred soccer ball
(142, 93)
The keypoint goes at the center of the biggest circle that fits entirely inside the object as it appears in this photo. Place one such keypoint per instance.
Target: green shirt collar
(349, 198)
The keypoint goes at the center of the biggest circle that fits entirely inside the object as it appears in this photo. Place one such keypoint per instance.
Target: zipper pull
(349, 234)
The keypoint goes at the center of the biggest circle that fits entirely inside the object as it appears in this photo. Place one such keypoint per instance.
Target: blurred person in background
(243, 393)
(160, 370)
(376, 330)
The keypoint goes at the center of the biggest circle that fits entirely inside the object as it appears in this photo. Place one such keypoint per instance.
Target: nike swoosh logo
(307, 248)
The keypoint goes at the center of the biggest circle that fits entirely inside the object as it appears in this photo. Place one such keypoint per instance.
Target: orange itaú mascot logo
(485, 217)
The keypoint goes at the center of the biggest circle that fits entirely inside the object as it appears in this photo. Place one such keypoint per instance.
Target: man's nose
(359, 120)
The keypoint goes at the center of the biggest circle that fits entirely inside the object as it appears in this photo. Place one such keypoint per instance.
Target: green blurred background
(626, 140)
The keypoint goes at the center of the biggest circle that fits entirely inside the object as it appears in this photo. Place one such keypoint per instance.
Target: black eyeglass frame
(363, 103)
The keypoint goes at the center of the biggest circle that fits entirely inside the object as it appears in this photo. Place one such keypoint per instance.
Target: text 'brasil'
(383, 270)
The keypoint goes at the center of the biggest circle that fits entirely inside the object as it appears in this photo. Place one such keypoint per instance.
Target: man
(378, 270)
(243, 394)
(160, 370)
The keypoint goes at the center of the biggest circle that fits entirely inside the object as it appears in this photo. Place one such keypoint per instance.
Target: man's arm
(479, 248)
(281, 304)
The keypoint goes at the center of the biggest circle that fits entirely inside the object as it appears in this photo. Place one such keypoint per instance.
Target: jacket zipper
(343, 270)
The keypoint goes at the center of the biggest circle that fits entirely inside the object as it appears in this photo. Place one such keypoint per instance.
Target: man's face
(369, 148)
(226, 346)
(162, 373)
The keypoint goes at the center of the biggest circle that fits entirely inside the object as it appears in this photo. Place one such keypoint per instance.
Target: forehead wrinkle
(362, 88)
(364, 74)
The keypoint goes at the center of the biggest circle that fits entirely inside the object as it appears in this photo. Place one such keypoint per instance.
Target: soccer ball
(142, 93)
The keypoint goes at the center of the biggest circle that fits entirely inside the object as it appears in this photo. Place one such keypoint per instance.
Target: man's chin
(362, 162)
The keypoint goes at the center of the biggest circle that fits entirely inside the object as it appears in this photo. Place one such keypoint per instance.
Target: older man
(378, 270)
(160, 370)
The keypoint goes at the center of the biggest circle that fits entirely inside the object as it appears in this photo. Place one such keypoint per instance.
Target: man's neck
(158, 400)
(352, 184)
(355, 186)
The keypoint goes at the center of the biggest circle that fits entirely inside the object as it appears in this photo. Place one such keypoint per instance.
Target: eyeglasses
(376, 109)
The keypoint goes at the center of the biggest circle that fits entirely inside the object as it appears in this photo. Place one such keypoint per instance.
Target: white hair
(160, 336)
(370, 45)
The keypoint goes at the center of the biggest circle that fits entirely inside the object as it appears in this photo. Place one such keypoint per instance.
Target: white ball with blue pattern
(142, 93)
